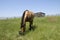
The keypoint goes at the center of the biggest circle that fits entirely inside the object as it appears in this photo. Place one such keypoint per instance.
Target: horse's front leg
(31, 23)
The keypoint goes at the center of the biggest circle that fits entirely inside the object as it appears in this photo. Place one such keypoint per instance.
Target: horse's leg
(31, 23)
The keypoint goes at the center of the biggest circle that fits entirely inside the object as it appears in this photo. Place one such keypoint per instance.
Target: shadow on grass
(27, 31)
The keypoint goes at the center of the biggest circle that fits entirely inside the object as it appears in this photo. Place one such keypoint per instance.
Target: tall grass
(47, 28)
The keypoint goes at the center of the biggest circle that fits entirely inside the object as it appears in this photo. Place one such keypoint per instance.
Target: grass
(47, 28)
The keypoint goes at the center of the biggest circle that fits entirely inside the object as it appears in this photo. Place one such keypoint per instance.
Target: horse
(27, 16)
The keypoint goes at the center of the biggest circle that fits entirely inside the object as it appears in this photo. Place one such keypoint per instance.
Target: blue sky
(15, 8)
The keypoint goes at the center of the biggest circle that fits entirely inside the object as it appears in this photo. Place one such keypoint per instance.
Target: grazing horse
(27, 17)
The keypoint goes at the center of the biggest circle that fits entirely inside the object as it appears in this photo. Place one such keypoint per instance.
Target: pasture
(47, 28)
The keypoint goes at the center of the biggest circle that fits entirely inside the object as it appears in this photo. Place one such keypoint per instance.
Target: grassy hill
(47, 28)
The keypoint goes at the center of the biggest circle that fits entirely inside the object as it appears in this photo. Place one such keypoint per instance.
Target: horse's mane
(24, 15)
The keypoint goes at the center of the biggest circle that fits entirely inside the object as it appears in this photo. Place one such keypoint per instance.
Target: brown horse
(27, 17)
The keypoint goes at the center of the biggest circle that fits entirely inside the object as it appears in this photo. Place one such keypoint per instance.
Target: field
(46, 28)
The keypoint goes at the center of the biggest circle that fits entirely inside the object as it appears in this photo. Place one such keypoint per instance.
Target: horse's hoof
(32, 28)
(29, 28)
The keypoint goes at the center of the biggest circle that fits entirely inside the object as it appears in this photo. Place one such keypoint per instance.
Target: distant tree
(39, 14)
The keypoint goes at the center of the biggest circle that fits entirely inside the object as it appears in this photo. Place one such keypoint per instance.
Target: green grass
(47, 28)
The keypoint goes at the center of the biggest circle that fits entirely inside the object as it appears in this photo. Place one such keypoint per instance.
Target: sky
(15, 8)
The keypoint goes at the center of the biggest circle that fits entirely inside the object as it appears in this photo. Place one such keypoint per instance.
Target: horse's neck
(23, 20)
